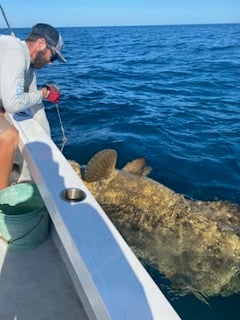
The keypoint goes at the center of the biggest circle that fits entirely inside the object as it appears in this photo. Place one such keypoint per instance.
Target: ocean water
(170, 94)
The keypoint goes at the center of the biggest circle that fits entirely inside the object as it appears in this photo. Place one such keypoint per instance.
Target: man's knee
(14, 136)
(9, 137)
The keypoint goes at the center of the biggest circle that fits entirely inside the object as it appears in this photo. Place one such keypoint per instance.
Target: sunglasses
(54, 55)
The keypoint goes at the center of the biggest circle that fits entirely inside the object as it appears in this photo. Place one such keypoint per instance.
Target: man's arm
(14, 97)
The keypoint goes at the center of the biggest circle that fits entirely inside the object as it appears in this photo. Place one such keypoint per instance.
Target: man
(18, 89)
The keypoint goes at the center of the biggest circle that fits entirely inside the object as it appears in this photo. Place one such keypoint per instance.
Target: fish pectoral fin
(147, 170)
(101, 165)
(137, 167)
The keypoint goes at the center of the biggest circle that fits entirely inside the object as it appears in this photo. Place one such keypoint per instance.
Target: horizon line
(136, 25)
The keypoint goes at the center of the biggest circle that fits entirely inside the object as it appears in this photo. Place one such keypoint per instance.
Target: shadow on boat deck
(35, 285)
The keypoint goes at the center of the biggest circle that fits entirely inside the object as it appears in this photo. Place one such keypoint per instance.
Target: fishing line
(62, 128)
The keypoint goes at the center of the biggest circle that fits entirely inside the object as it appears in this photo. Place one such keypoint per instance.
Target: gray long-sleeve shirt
(18, 89)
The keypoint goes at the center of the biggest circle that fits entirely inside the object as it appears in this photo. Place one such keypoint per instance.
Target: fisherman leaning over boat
(18, 88)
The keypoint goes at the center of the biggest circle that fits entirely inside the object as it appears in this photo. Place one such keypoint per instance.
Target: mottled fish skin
(195, 244)
(76, 167)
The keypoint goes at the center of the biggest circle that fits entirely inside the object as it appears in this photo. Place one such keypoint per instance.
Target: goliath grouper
(195, 244)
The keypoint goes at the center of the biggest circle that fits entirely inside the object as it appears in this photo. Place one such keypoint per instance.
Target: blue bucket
(24, 220)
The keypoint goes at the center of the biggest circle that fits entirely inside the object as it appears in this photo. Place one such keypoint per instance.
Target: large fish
(195, 244)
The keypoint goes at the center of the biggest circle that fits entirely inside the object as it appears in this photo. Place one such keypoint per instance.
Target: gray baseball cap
(52, 36)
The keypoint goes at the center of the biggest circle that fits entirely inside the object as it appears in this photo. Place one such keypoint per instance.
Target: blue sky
(122, 12)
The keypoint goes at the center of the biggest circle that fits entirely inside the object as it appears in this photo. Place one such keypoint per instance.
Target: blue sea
(170, 94)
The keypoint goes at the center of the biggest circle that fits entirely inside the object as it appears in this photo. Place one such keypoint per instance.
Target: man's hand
(51, 92)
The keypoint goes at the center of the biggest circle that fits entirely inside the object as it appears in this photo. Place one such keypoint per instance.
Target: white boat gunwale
(109, 279)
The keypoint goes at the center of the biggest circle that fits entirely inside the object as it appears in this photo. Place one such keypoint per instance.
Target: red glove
(53, 93)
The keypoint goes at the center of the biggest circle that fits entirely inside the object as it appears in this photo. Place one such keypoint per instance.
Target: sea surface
(170, 94)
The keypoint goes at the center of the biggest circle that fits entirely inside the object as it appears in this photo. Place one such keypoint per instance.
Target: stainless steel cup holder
(73, 195)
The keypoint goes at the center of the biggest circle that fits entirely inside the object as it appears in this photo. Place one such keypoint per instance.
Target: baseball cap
(52, 36)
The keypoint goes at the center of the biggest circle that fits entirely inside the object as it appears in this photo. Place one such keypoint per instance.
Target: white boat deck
(35, 285)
